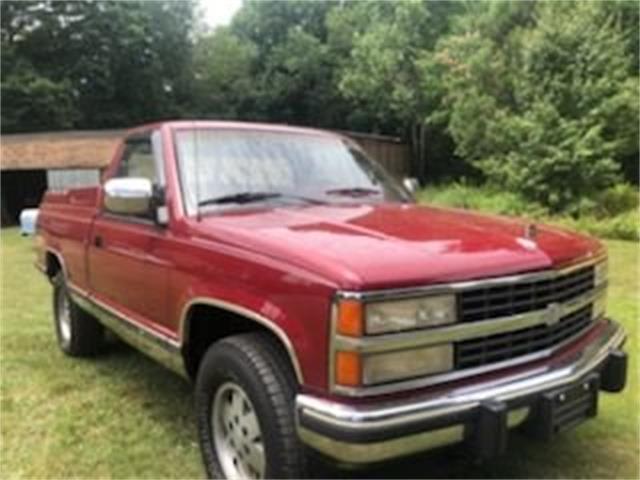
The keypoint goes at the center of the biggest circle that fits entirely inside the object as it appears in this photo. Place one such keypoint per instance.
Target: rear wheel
(245, 391)
(78, 333)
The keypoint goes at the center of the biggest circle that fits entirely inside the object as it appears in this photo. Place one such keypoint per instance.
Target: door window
(138, 160)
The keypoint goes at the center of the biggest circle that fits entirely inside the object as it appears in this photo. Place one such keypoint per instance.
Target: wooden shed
(30, 163)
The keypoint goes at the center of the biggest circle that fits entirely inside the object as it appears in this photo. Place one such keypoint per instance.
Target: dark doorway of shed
(20, 189)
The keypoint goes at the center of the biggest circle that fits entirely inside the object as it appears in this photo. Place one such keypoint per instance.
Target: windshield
(219, 168)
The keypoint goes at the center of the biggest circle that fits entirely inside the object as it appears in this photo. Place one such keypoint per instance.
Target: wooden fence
(390, 152)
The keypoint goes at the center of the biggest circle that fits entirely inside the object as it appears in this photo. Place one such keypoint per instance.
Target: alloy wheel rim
(236, 433)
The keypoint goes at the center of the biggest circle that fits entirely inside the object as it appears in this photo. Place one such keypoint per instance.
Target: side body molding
(163, 350)
(246, 313)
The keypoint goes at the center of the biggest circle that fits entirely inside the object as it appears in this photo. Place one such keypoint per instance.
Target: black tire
(83, 335)
(257, 364)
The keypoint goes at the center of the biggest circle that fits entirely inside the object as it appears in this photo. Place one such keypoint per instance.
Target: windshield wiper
(250, 197)
(240, 198)
(354, 191)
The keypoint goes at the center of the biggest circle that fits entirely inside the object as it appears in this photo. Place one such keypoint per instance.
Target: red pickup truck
(318, 309)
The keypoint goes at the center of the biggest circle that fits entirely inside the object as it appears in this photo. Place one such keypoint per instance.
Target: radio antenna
(197, 168)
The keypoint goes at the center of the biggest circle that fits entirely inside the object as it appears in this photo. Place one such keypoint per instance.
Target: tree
(294, 79)
(30, 101)
(538, 96)
(224, 70)
(267, 23)
(93, 64)
(383, 76)
(297, 82)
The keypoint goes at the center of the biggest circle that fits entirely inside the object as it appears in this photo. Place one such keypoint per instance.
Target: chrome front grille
(505, 346)
(484, 303)
(491, 302)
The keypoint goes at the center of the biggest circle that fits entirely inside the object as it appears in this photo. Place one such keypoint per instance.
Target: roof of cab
(231, 125)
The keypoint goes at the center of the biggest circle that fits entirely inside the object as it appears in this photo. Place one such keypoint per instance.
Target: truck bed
(64, 222)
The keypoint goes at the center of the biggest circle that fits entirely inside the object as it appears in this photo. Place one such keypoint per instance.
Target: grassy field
(122, 416)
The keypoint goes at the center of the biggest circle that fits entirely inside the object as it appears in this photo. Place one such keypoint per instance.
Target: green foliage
(297, 81)
(267, 23)
(482, 198)
(223, 65)
(539, 97)
(93, 64)
(624, 226)
(614, 213)
(381, 74)
(294, 70)
(617, 199)
(32, 103)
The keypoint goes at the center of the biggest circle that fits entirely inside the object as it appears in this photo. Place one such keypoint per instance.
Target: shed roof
(51, 150)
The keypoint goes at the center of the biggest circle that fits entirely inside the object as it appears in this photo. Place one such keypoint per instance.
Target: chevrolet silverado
(318, 309)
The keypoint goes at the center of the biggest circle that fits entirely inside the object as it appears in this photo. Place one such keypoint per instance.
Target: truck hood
(387, 245)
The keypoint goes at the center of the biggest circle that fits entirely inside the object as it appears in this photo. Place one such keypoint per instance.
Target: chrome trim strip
(461, 331)
(76, 289)
(160, 348)
(402, 293)
(398, 413)
(126, 319)
(246, 313)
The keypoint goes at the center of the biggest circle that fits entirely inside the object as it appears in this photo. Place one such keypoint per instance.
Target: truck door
(122, 273)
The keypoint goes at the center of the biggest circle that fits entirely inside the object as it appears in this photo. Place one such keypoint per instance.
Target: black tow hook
(614, 374)
(489, 436)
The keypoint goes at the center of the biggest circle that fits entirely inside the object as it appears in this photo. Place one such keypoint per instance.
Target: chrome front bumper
(394, 428)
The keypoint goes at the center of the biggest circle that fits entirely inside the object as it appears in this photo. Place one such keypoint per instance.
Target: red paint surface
(284, 263)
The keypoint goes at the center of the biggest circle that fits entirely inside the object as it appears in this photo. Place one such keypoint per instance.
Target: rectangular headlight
(401, 365)
(395, 316)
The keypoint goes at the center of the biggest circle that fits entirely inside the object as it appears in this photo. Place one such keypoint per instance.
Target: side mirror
(128, 196)
(411, 184)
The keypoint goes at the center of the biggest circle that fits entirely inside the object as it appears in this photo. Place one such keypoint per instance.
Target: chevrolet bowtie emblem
(553, 314)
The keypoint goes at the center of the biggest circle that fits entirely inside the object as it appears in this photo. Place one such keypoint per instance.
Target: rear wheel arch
(54, 264)
(79, 334)
(206, 321)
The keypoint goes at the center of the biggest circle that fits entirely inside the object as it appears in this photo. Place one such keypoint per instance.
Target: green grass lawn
(123, 416)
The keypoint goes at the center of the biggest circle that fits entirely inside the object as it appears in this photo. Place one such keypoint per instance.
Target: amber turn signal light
(348, 369)
(350, 318)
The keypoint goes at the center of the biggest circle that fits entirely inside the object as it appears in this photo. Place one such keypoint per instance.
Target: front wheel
(245, 391)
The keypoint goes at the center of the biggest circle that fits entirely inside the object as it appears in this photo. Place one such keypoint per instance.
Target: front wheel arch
(206, 322)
